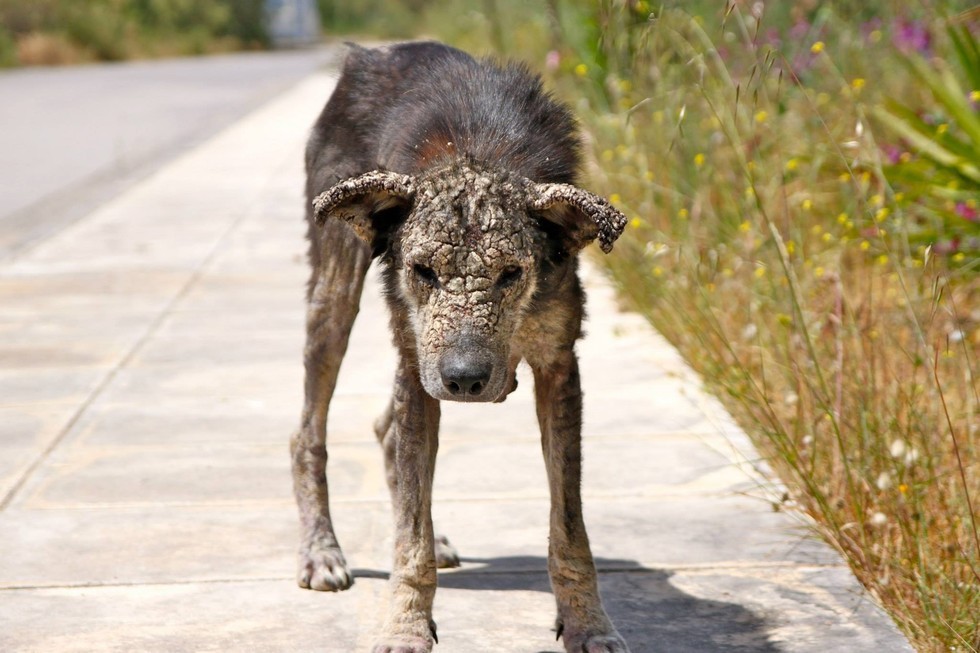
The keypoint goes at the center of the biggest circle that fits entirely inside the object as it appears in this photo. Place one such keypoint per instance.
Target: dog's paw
(409, 642)
(324, 570)
(402, 645)
(446, 555)
(591, 642)
(609, 643)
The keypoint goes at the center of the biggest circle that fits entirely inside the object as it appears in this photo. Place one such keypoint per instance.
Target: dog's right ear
(368, 202)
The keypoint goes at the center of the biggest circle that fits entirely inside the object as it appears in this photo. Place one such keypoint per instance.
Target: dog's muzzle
(466, 372)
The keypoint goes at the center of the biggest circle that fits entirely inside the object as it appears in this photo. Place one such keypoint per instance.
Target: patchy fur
(458, 175)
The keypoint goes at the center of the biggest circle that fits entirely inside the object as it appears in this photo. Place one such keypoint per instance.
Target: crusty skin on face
(459, 176)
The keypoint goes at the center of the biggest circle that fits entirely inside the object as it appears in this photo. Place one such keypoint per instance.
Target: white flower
(750, 332)
(911, 456)
(791, 398)
(879, 519)
(897, 450)
(884, 481)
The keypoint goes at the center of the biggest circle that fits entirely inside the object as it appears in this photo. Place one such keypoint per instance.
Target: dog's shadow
(648, 610)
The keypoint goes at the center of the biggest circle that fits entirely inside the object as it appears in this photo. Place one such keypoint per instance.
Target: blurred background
(803, 186)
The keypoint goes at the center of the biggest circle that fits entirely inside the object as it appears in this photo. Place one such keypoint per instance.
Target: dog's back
(412, 106)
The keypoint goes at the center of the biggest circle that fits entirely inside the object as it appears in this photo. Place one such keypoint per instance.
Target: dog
(459, 176)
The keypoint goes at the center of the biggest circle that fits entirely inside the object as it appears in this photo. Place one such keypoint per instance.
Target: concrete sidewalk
(150, 377)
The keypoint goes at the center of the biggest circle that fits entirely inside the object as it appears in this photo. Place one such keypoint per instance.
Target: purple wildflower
(967, 212)
(911, 36)
(799, 30)
(893, 153)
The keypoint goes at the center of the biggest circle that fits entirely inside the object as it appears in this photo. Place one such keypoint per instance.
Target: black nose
(465, 372)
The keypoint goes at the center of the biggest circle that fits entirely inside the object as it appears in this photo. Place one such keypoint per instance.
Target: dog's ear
(369, 202)
(581, 215)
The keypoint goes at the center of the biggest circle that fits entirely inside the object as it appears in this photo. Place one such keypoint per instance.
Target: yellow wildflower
(581, 70)
(817, 47)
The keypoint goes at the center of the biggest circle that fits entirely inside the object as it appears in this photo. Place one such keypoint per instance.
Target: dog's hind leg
(446, 555)
(340, 262)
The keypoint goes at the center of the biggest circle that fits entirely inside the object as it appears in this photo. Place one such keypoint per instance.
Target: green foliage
(388, 19)
(942, 180)
(8, 49)
(111, 30)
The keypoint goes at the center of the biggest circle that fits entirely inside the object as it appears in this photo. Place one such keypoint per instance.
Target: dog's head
(466, 248)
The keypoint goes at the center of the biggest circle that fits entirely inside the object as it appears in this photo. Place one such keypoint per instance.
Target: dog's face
(466, 262)
(465, 247)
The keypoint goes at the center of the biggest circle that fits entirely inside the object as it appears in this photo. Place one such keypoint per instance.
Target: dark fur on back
(437, 103)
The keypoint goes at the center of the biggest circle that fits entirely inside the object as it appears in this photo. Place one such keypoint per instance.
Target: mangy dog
(458, 175)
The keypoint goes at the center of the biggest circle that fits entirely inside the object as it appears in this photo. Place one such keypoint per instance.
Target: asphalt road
(71, 138)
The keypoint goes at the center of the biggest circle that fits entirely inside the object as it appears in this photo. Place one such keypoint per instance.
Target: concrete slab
(152, 377)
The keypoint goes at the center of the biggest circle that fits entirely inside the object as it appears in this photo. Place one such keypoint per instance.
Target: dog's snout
(465, 373)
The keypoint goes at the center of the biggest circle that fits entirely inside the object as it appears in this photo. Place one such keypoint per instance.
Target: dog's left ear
(366, 202)
(583, 216)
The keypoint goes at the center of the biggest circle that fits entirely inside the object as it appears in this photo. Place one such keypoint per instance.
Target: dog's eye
(426, 275)
(510, 276)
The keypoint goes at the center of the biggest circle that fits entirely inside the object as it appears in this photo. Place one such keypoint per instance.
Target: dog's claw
(559, 629)
(446, 555)
(432, 629)
(324, 570)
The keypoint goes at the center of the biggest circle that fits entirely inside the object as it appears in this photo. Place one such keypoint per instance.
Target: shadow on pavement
(651, 614)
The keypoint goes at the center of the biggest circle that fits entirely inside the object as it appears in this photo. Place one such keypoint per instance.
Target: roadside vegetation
(803, 185)
(56, 32)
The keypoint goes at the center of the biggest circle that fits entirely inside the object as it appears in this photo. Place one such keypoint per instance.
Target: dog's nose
(465, 373)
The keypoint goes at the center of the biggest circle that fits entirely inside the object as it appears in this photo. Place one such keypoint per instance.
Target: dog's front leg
(582, 621)
(335, 293)
(408, 627)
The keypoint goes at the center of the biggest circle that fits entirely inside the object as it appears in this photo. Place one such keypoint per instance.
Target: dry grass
(768, 245)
